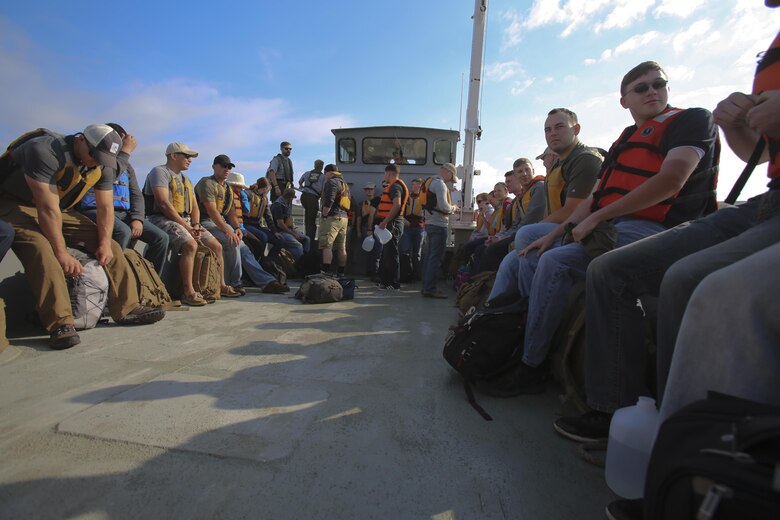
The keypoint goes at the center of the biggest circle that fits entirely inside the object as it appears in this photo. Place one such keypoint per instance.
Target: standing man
(172, 206)
(333, 232)
(660, 172)
(437, 227)
(42, 177)
(311, 184)
(130, 221)
(414, 229)
(280, 171)
(390, 212)
(364, 227)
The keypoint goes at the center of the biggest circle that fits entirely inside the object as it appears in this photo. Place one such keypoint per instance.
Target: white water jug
(383, 235)
(368, 244)
(631, 437)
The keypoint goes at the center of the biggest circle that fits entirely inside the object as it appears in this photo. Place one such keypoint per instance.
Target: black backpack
(716, 458)
(487, 343)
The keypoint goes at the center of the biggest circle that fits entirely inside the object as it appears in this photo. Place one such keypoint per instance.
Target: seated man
(129, 213)
(215, 201)
(660, 172)
(526, 208)
(44, 175)
(294, 241)
(172, 207)
(256, 212)
(333, 230)
(500, 200)
(240, 201)
(414, 229)
(567, 185)
(672, 264)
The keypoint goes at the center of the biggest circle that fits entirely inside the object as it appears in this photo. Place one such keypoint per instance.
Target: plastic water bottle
(631, 437)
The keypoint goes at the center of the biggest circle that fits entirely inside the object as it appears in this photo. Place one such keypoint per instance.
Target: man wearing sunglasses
(43, 176)
(280, 171)
(660, 172)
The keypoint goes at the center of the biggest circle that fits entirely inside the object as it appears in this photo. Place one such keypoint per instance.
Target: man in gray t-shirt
(280, 171)
(44, 176)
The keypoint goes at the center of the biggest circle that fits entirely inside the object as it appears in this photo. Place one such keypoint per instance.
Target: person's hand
(103, 254)
(382, 225)
(278, 191)
(136, 228)
(129, 144)
(239, 234)
(540, 244)
(584, 228)
(232, 239)
(491, 240)
(764, 117)
(70, 266)
(194, 230)
(278, 236)
(731, 112)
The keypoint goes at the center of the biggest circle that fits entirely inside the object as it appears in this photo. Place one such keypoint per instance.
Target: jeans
(290, 243)
(389, 266)
(156, 239)
(489, 257)
(436, 238)
(548, 279)
(252, 269)
(507, 275)
(267, 236)
(411, 244)
(6, 238)
(729, 336)
(671, 265)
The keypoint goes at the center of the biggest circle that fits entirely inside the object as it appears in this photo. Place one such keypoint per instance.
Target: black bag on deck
(716, 458)
(486, 343)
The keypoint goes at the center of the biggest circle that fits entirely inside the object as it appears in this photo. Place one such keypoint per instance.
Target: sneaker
(64, 336)
(626, 509)
(387, 288)
(143, 315)
(274, 287)
(435, 294)
(589, 427)
(522, 379)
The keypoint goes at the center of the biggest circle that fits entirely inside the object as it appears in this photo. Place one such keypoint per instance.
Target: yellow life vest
(554, 185)
(257, 204)
(496, 220)
(414, 208)
(182, 195)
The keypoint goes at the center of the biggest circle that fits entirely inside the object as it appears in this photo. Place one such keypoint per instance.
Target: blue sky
(238, 77)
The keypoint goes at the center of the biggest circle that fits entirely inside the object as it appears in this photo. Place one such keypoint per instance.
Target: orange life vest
(386, 203)
(636, 156)
(768, 78)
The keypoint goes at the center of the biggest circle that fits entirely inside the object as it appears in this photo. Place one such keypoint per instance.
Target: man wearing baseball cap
(44, 175)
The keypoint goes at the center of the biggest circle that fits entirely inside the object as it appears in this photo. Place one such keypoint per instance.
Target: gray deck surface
(267, 408)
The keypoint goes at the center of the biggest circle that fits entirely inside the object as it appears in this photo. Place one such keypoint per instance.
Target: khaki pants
(45, 273)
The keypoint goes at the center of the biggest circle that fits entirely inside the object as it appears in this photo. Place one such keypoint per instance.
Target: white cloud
(502, 70)
(696, 32)
(522, 86)
(678, 8)
(625, 13)
(680, 73)
(513, 31)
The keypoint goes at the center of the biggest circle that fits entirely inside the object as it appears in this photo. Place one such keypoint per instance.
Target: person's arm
(211, 212)
(535, 211)
(578, 214)
(271, 174)
(47, 202)
(371, 214)
(137, 205)
(764, 117)
(440, 189)
(731, 115)
(328, 198)
(675, 170)
(161, 199)
(232, 218)
(104, 203)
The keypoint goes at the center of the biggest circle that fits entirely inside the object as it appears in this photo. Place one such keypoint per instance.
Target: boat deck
(267, 408)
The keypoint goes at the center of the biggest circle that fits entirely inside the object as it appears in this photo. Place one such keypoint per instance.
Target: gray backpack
(88, 291)
(320, 288)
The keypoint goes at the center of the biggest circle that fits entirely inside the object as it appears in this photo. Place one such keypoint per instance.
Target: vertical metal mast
(473, 130)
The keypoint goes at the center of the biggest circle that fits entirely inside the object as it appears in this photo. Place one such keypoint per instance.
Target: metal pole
(473, 129)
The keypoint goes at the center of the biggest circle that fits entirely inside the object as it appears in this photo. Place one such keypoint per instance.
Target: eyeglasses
(657, 84)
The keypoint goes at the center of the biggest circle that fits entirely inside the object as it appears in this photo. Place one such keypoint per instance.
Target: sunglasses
(657, 84)
(287, 149)
(186, 156)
